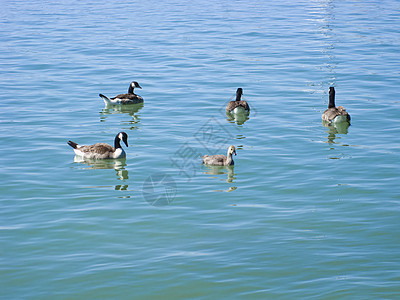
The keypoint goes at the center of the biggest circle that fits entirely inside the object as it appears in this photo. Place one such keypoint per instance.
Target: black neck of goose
(130, 90)
(238, 95)
(117, 142)
(331, 98)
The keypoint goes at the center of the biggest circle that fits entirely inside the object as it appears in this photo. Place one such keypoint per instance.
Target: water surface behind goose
(307, 211)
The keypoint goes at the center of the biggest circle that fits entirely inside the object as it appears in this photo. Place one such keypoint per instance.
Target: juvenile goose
(238, 106)
(335, 114)
(102, 150)
(220, 160)
(129, 98)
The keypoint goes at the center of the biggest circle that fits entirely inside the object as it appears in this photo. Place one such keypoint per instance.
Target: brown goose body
(128, 98)
(234, 104)
(336, 113)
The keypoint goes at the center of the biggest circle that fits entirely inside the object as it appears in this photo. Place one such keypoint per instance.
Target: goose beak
(138, 86)
(125, 140)
(234, 151)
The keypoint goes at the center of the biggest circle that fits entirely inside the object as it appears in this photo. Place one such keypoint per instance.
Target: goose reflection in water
(335, 128)
(130, 109)
(117, 164)
(221, 170)
(238, 118)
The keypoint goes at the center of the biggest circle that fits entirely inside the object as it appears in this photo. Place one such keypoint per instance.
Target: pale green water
(306, 212)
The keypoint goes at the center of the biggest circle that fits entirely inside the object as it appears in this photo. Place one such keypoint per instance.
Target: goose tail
(239, 110)
(72, 144)
(341, 118)
(105, 99)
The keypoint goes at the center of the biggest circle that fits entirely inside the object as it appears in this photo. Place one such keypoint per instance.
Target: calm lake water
(306, 212)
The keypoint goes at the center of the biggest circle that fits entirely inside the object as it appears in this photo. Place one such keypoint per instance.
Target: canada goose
(129, 98)
(335, 114)
(238, 106)
(102, 150)
(219, 159)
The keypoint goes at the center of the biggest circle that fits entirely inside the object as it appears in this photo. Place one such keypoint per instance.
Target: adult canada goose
(238, 106)
(333, 113)
(219, 159)
(129, 98)
(102, 150)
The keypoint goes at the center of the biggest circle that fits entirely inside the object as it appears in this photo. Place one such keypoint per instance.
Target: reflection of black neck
(331, 97)
(117, 142)
(131, 88)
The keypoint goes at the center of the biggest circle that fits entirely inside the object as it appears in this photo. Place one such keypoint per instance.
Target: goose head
(135, 84)
(132, 86)
(122, 136)
(231, 150)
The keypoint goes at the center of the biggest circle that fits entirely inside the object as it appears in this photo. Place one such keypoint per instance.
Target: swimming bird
(238, 106)
(102, 150)
(219, 159)
(333, 113)
(129, 98)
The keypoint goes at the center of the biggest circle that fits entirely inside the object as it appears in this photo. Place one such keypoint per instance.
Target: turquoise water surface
(307, 211)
